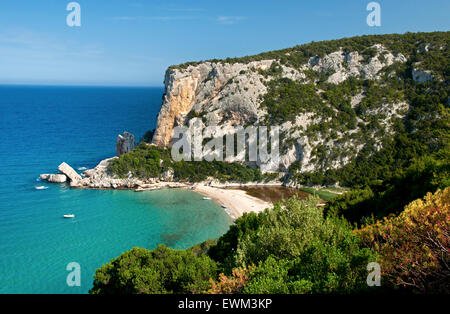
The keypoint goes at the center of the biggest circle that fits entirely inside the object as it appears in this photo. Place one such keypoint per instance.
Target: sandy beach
(236, 201)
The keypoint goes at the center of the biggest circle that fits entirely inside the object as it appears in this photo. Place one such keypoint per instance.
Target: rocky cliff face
(233, 93)
(214, 91)
(125, 143)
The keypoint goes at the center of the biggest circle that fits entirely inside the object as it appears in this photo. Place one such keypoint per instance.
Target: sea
(42, 126)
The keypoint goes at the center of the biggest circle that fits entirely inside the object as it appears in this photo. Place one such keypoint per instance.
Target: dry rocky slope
(228, 93)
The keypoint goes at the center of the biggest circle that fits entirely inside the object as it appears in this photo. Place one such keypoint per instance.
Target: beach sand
(236, 201)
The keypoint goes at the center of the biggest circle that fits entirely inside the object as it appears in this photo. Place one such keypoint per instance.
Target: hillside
(294, 248)
(351, 111)
(370, 113)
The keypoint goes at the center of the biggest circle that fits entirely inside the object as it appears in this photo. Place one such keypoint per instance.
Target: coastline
(237, 201)
(234, 201)
(230, 195)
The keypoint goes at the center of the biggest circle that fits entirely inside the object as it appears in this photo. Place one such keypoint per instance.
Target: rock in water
(125, 143)
(44, 176)
(54, 178)
(69, 172)
(57, 178)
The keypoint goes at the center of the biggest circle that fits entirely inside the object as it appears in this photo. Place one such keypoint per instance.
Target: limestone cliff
(212, 90)
(245, 92)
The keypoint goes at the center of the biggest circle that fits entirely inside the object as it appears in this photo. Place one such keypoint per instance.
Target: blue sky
(132, 42)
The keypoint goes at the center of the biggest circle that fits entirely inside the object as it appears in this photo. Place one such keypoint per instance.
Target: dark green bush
(162, 270)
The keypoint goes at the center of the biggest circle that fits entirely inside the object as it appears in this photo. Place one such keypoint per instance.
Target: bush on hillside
(295, 250)
(162, 270)
(414, 247)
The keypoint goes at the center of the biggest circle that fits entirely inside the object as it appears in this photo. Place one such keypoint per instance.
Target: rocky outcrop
(228, 94)
(54, 178)
(220, 92)
(71, 174)
(125, 143)
(96, 178)
(344, 64)
(168, 175)
(100, 178)
(66, 173)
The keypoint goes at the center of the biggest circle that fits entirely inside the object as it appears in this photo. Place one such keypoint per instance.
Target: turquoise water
(43, 126)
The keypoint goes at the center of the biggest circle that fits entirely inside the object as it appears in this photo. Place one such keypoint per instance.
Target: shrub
(162, 270)
(148, 137)
(231, 284)
(414, 247)
(296, 250)
(148, 161)
(380, 199)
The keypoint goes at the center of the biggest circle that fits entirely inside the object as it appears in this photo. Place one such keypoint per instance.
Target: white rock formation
(54, 178)
(168, 175)
(57, 178)
(71, 174)
(230, 93)
(226, 92)
(44, 176)
(351, 64)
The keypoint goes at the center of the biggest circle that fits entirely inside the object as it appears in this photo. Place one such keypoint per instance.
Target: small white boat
(69, 216)
(206, 198)
(223, 206)
(41, 187)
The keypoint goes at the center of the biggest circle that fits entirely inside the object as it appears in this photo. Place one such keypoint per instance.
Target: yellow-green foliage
(414, 247)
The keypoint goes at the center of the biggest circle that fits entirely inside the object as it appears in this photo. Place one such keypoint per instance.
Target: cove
(106, 224)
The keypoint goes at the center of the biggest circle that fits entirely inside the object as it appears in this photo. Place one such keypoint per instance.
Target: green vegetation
(148, 136)
(149, 161)
(424, 131)
(324, 193)
(162, 270)
(378, 200)
(286, 99)
(294, 248)
(297, 250)
(299, 247)
(407, 44)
